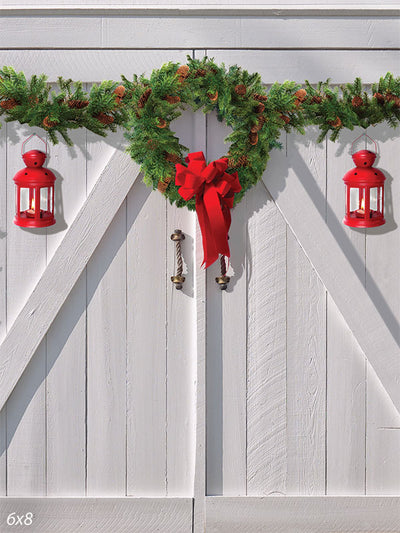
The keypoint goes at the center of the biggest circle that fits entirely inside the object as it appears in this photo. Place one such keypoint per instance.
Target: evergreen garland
(145, 107)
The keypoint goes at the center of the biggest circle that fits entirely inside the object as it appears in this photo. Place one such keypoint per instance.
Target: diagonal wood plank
(64, 269)
(336, 265)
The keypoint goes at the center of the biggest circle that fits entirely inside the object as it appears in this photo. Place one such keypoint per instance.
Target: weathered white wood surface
(303, 514)
(120, 515)
(84, 235)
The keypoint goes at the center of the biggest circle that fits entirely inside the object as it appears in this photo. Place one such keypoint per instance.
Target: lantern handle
(30, 137)
(364, 135)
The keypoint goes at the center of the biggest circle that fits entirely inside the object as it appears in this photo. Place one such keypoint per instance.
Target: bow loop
(214, 189)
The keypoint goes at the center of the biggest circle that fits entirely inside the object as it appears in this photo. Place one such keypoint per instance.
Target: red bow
(214, 189)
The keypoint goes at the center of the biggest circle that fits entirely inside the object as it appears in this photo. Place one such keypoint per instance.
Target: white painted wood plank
(306, 514)
(345, 408)
(266, 355)
(233, 334)
(329, 258)
(97, 65)
(252, 32)
(146, 338)
(181, 339)
(199, 276)
(306, 374)
(345, 360)
(383, 262)
(21, 32)
(26, 422)
(66, 397)
(106, 362)
(3, 294)
(339, 66)
(71, 257)
(66, 338)
(101, 515)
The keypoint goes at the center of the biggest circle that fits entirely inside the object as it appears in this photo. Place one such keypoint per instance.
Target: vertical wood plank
(306, 374)
(382, 267)
(146, 334)
(227, 344)
(66, 339)
(106, 363)
(345, 362)
(345, 408)
(266, 356)
(3, 294)
(26, 418)
(306, 333)
(181, 339)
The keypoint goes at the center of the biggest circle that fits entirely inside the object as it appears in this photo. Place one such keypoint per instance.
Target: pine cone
(8, 104)
(335, 123)
(33, 100)
(316, 99)
(120, 91)
(163, 184)
(172, 99)
(213, 97)
(240, 89)
(393, 98)
(77, 104)
(260, 97)
(253, 138)
(161, 123)
(143, 99)
(285, 119)
(241, 162)
(260, 108)
(301, 94)
(105, 119)
(183, 71)
(357, 101)
(259, 125)
(297, 103)
(47, 123)
(173, 158)
(200, 73)
(379, 98)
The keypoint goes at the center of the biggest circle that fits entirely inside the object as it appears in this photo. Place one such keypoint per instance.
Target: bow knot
(214, 189)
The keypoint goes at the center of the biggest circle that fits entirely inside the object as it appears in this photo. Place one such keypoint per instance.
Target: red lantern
(364, 191)
(34, 191)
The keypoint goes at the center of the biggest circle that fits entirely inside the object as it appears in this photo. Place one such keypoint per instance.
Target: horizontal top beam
(277, 10)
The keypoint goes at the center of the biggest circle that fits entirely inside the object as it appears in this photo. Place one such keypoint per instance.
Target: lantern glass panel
(373, 198)
(24, 199)
(44, 195)
(356, 197)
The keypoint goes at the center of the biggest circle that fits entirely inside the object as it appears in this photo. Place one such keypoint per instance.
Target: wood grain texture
(26, 421)
(299, 65)
(266, 348)
(181, 338)
(328, 258)
(382, 267)
(66, 338)
(120, 515)
(345, 361)
(71, 257)
(146, 340)
(106, 362)
(345, 413)
(307, 515)
(96, 65)
(306, 374)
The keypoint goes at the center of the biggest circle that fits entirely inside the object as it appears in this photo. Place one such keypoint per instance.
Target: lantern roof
(34, 177)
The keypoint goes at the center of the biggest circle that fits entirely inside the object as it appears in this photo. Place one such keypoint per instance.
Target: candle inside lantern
(360, 213)
(30, 213)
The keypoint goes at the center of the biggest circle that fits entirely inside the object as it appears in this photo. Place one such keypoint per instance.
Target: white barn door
(144, 408)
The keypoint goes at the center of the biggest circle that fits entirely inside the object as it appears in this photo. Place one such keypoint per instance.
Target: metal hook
(30, 137)
(368, 137)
